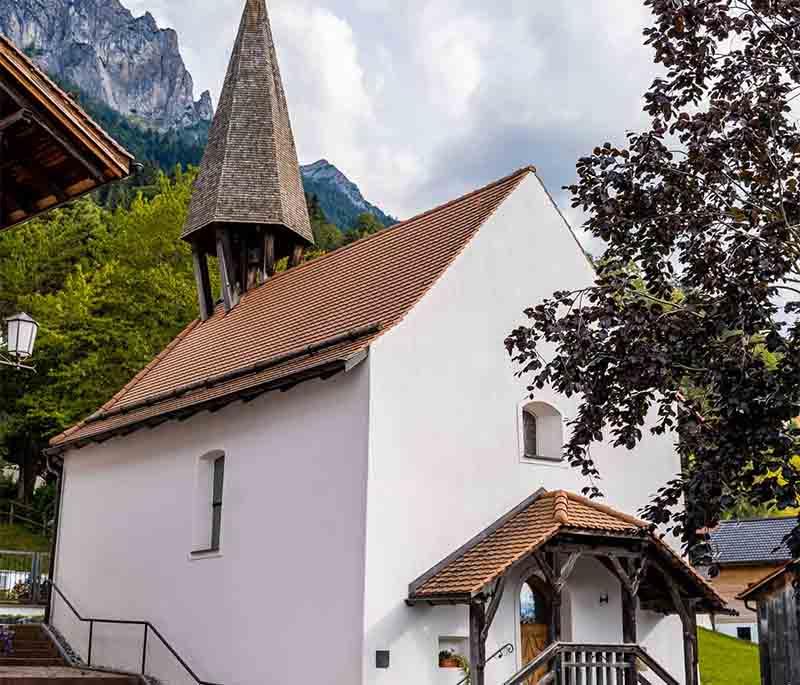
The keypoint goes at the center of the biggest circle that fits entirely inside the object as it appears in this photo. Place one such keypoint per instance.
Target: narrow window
(216, 502)
(529, 429)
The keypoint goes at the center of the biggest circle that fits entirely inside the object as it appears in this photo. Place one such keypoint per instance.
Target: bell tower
(248, 207)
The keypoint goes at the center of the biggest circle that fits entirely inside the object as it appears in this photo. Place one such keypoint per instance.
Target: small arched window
(542, 431)
(529, 432)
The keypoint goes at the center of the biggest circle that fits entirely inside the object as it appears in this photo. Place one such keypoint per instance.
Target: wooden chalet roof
(311, 321)
(250, 173)
(537, 521)
(754, 590)
(53, 151)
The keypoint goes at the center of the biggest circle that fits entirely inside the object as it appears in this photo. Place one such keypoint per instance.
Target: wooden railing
(580, 664)
(12, 512)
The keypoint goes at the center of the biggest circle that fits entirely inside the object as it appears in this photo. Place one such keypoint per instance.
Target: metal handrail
(148, 628)
(559, 648)
(507, 648)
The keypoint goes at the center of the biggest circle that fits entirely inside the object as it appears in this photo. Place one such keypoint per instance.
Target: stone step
(43, 652)
(37, 675)
(30, 661)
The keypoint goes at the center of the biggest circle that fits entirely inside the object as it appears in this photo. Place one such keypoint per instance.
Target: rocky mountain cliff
(339, 197)
(125, 62)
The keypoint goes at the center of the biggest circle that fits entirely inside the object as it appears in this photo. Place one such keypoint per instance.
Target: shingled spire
(248, 207)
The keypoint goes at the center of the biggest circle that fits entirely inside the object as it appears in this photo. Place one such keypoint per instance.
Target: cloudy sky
(419, 101)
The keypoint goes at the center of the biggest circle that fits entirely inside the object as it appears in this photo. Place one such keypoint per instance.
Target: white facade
(338, 494)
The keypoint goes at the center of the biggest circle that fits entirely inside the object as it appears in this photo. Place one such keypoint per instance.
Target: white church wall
(445, 457)
(284, 597)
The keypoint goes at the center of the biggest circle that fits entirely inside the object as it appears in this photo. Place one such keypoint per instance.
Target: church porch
(549, 545)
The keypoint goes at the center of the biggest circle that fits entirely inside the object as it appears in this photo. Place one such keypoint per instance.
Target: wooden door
(534, 642)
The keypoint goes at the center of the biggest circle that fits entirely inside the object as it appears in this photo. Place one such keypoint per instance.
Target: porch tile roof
(469, 570)
(286, 329)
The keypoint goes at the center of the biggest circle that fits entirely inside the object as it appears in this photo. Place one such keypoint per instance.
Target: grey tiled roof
(250, 173)
(752, 540)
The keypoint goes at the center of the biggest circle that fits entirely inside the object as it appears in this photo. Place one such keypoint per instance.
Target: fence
(12, 512)
(24, 578)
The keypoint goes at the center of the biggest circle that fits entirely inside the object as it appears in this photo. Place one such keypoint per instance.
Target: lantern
(21, 335)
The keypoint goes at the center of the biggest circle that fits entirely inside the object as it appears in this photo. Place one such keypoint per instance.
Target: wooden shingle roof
(310, 321)
(516, 536)
(250, 173)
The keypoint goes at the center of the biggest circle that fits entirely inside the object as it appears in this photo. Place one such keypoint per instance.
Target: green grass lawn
(727, 661)
(20, 538)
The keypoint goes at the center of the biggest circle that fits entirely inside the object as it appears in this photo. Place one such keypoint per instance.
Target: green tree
(366, 224)
(698, 287)
(110, 291)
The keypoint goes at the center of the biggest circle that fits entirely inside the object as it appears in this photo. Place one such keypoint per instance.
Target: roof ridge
(788, 517)
(606, 509)
(561, 507)
(392, 229)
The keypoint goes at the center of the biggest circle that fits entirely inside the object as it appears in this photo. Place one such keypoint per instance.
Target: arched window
(529, 433)
(542, 431)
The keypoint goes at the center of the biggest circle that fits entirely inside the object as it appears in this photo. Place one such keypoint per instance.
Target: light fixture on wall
(604, 598)
(21, 331)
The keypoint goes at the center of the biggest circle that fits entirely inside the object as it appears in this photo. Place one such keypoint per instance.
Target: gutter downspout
(58, 471)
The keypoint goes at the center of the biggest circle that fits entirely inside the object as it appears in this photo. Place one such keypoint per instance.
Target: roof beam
(23, 103)
(15, 118)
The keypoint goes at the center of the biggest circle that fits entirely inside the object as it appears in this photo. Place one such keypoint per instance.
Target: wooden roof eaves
(324, 372)
(64, 110)
(760, 585)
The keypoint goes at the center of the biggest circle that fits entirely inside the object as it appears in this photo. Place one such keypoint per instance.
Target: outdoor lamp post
(21, 332)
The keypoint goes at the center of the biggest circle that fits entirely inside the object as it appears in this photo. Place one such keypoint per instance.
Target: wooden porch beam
(557, 578)
(494, 605)
(15, 118)
(23, 103)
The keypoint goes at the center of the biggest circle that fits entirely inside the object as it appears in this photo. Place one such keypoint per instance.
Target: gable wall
(444, 449)
(286, 595)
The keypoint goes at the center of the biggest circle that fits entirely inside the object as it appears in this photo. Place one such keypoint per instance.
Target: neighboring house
(402, 500)
(51, 151)
(743, 552)
(776, 599)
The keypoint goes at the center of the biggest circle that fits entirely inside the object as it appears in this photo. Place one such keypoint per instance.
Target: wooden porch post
(629, 631)
(477, 642)
(555, 614)
(686, 611)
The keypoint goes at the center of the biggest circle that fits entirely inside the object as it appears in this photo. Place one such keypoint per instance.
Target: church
(334, 475)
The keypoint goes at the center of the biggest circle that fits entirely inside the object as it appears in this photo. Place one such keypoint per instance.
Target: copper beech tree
(691, 323)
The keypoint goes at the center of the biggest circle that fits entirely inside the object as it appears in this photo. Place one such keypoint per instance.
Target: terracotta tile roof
(363, 289)
(517, 535)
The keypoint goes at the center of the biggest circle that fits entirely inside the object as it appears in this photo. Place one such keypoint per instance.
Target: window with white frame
(541, 431)
(209, 493)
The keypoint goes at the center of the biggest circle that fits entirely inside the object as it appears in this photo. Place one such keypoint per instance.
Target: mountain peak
(126, 62)
(339, 197)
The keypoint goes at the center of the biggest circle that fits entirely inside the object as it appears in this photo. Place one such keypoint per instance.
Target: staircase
(35, 660)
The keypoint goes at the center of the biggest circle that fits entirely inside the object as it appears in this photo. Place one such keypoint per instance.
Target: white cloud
(424, 99)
